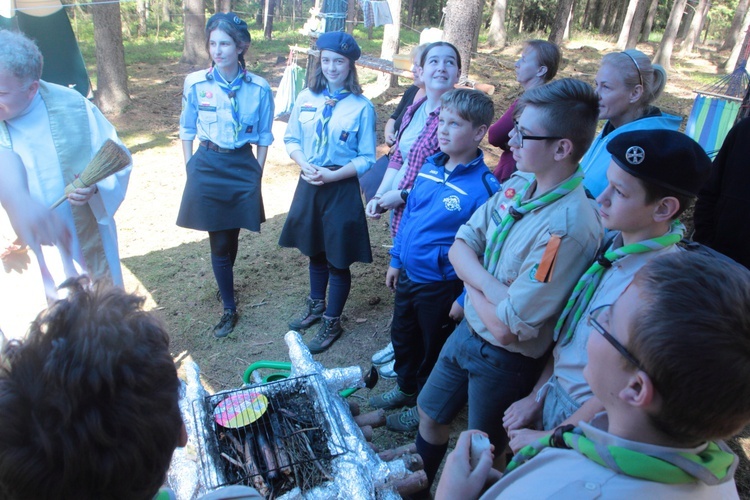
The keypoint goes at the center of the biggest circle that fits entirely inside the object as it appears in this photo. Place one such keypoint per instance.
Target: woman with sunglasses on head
(627, 83)
(331, 136)
(537, 65)
(228, 109)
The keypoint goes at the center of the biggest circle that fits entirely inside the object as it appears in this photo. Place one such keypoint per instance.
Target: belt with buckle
(215, 147)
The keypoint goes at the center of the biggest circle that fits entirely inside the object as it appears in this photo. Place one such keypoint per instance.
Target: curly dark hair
(88, 401)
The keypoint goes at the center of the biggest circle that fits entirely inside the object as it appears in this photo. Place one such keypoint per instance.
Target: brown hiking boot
(329, 332)
(313, 312)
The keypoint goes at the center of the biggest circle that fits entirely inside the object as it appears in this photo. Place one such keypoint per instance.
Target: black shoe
(226, 323)
(329, 332)
(313, 312)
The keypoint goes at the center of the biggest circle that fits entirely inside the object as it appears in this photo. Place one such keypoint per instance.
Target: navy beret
(231, 18)
(666, 158)
(340, 43)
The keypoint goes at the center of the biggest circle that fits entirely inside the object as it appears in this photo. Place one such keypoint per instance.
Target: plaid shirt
(425, 146)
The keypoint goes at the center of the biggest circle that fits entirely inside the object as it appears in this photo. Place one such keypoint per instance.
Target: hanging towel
(381, 12)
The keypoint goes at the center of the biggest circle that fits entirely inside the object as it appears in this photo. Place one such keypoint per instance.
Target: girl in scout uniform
(228, 109)
(331, 136)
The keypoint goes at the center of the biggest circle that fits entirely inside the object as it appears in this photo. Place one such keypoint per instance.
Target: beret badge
(635, 155)
(237, 20)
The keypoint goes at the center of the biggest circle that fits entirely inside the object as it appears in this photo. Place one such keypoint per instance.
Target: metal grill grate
(272, 436)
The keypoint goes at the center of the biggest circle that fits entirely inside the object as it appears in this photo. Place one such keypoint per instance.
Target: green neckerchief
(587, 285)
(518, 210)
(714, 465)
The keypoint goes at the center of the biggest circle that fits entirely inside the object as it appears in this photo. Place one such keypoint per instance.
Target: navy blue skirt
(331, 219)
(222, 191)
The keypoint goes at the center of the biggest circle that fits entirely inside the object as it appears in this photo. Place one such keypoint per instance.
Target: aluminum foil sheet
(359, 473)
(185, 474)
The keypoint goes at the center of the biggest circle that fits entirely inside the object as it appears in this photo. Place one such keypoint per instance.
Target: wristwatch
(404, 194)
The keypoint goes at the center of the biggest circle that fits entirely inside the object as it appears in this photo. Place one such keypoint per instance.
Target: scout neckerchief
(231, 90)
(518, 210)
(714, 465)
(321, 129)
(586, 286)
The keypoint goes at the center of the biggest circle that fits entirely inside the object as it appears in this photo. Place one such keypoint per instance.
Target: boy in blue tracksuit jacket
(450, 187)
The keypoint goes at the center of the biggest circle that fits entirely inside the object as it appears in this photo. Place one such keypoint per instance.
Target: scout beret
(231, 18)
(340, 43)
(666, 158)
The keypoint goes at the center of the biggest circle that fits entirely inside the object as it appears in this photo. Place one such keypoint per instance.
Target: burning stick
(252, 468)
(110, 159)
(267, 452)
(281, 454)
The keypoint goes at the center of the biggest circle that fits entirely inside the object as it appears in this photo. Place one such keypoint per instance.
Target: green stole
(73, 147)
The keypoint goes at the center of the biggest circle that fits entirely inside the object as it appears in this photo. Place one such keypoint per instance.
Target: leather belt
(214, 147)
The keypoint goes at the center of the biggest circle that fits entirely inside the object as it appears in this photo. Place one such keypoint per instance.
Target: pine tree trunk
(391, 37)
(268, 19)
(637, 26)
(695, 27)
(622, 40)
(734, 57)
(649, 23)
(112, 80)
(462, 20)
(496, 36)
(194, 47)
(561, 20)
(735, 30)
(664, 53)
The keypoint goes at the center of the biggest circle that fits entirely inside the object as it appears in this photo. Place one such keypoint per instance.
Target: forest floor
(171, 265)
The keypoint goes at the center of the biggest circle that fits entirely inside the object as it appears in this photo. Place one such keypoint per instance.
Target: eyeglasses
(521, 136)
(593, 321)
(638, 68)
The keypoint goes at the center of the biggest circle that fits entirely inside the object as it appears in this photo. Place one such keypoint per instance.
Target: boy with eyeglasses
(653, 176)
(519, 256)
(671, 366)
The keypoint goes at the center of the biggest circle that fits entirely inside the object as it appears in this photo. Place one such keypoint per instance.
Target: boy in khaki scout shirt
(519, 256)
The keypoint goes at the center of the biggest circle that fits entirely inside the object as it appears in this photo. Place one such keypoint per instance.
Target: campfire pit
(272, 436)
(258, 435)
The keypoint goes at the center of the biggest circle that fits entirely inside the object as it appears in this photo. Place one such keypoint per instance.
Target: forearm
(262, 155)
(387, 182)
(342, 173)
(469, 268)
(187, 150)
(299, 158)
(486, 311)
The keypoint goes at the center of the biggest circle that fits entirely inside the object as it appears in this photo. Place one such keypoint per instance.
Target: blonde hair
(634, 66)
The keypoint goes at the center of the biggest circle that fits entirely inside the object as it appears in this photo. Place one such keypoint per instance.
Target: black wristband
(404, 194)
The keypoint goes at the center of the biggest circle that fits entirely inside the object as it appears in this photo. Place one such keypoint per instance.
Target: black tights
(224, 245)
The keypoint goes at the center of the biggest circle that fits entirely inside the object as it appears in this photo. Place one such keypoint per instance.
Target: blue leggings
(224, 245)
(338, 282)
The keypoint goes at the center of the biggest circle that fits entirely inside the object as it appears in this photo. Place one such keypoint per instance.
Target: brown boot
(313, 312)
(329, 332)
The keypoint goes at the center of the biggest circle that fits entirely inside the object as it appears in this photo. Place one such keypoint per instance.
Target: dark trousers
(420, 327)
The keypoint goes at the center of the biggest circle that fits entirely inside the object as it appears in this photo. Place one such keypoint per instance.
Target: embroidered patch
(452, 203)
(209, 94)
(344, 136)
(510, 193)
(206, 107)
(202, 93)
(249, 129)
(532, 274)
(308, 107)
(496, 216)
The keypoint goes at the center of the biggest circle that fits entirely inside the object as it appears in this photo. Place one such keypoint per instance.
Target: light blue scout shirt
(207, 112)
(351, 131)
